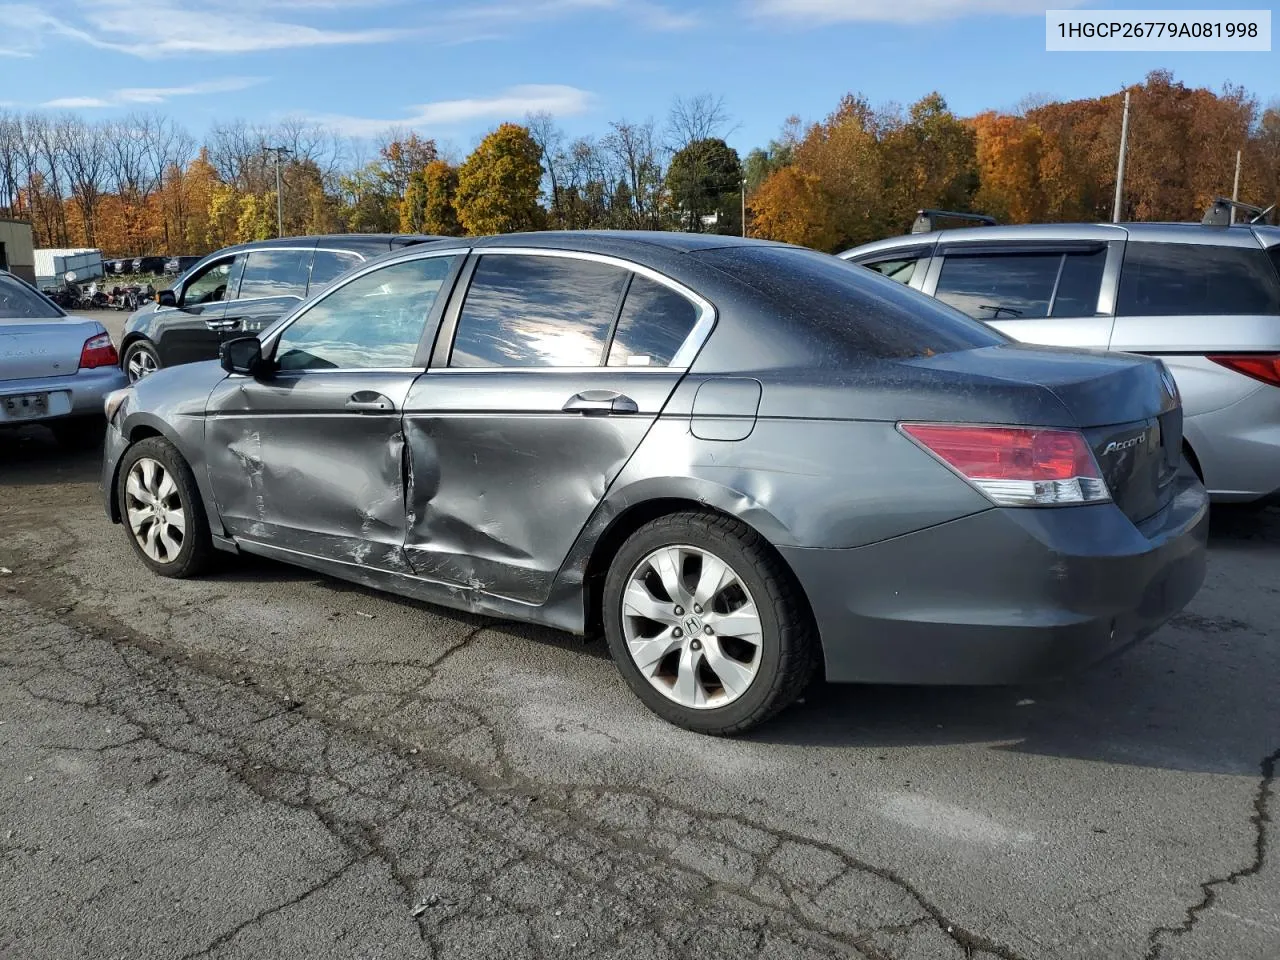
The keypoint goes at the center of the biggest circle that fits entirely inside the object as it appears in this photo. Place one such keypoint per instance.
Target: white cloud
(511, 104)
(818, 12)
(151, 95)
(175, 29)
(646, 13)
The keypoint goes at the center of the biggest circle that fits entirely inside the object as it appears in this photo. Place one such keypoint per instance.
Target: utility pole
(279, 152)
(1235, 187)
(744, 207)
(1124, 144)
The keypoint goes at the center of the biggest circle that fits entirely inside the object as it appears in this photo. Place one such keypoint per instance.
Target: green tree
(704, 180)
(498, 184)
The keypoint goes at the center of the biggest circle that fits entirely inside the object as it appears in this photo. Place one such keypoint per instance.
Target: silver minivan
(1204, 299)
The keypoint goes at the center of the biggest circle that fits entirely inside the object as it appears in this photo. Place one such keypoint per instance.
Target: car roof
(359, 242)
(1239, 235)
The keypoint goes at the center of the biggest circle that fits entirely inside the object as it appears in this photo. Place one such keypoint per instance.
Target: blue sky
(454, 69)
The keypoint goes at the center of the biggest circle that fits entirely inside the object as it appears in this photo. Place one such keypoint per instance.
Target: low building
(17, 249)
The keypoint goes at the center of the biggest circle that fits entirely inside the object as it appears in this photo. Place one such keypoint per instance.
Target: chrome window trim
(369, 267)
(684, 355)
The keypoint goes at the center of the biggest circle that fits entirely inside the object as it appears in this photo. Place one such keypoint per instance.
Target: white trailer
(53, 265)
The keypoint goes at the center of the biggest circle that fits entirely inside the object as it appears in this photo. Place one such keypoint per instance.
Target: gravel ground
(268, 763)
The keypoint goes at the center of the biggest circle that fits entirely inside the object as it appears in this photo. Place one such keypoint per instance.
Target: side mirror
(243, 356)
(166, 298)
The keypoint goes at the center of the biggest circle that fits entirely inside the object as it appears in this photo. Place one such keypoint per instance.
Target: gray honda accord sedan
(741, 461)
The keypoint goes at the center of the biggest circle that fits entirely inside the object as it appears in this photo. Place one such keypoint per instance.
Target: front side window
(901, 270)
(654, 323)
(209, 285)
(375, 321)
(329, 265)
(1172, 279)
(537, 311)
(275, 273)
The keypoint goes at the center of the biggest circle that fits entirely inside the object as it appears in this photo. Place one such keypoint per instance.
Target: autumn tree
(440, 191)
(498, 184)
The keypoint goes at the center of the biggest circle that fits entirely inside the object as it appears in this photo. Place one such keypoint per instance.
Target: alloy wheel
(155, 510)
(692, 627)
(142, 363)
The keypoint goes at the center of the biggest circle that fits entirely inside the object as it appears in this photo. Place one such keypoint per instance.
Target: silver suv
(1205, 299)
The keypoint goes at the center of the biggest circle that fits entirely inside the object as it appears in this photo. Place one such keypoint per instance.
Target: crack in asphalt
(257, 918)
(503, 810)
(1261, 820)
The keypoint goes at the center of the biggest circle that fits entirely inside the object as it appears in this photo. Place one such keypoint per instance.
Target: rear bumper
(79, 395)
(1004, 596)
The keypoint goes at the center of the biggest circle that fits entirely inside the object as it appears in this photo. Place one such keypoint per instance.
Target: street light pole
(744, 207)
(1124, 144)
(279, 152)
(1235, 187)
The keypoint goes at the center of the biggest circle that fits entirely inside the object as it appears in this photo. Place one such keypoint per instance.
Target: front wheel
(706, 624)
(140, 360)
(162, 511)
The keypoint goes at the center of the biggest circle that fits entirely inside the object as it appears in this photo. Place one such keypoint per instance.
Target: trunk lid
(43, 348)
(1126, 406)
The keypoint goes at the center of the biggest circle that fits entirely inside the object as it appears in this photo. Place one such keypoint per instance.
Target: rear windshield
(20, 302)
(842, 303)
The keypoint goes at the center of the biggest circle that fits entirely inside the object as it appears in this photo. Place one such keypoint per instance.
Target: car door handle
(600, 403)
(222, 324)
(369, 401)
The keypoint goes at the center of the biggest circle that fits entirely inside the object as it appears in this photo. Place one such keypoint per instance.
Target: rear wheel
(162, 511)
(140, 360)
(706, 625)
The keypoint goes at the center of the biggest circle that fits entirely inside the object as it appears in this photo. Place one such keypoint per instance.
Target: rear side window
(655, 321)
(275, 273)
(329, 265)
(900, 270)
(1172, 279)
(842, 312)
(537, 311)
(1022, 286)
(19, 302)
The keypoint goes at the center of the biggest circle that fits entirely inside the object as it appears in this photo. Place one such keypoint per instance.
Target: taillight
(98, 351)
(1017, 466)
(1260, 366)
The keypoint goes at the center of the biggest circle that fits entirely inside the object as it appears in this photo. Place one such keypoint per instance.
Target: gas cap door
(725, 408)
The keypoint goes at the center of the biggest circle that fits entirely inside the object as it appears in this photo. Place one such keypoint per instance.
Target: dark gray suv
(238, 290)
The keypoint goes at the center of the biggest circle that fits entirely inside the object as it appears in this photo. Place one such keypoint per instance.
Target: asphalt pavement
(267, 763)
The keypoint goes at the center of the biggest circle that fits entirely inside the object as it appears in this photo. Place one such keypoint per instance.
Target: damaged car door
(544, 380)
(309, 457)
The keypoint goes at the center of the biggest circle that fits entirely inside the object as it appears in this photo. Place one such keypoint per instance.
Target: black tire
(139, 349)
(195, 554)
(789, 646)
(79, 433)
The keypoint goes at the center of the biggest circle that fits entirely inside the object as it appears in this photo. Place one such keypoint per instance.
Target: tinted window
(20, 302)
(328, 265)
(530, 311)
(209, 285)
(1079, 285)
(1274, 254)
(847, 312)
(655, 321)
(1167, 279)
(900, 270)
(374, 321)
(1000, 286)
(275, 273)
